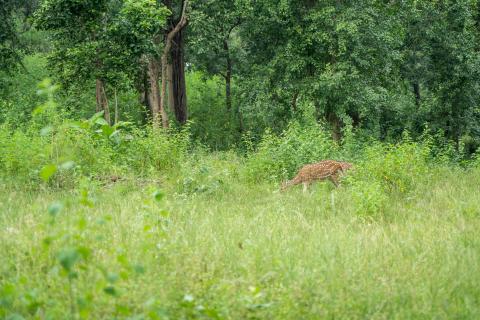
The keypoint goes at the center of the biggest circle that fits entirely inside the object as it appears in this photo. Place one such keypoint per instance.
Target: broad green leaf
(46, 131)
(95, 117)
(68, 258)
(67, 165)
(48, 171)
(38, 110)
(107, 130)
(158, 195)
(101, 122)
(55, 208)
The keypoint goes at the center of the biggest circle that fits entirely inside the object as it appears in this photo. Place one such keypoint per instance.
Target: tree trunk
(144, 95)
(336, 125)
(155, 99)
(180, 114)
(101, 99)
(164, 116)
(171, 103)
(416, 91)
(228, 76)
(178, 86)
(294, 101)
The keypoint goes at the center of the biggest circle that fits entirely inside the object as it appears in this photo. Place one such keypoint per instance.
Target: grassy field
(240, 251)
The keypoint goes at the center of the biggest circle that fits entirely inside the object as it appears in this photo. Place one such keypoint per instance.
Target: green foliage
(101, 39)
(247, 253)
(369, 198)
(208, 173)
(212, 124)
(60, 151)
(398, 168)
(138, 23)
(129, 222)
(10, 54)
(384, 173)
(18, 95)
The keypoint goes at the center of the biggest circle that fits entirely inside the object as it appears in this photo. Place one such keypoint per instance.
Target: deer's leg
(334, 179)
(305, 186)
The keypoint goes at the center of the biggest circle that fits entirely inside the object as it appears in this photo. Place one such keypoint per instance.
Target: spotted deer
(327, 169)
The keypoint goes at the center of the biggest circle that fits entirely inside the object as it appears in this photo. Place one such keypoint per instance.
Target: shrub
(397, 167)
(150, 151)
(208, 173)
(368, 197)
(386, 170)
(88, 148)
(21, 154)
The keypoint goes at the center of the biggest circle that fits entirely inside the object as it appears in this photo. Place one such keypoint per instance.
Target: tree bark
(158, 114)
(101, 99)
(416, 91)
(164, 62)
(228, 76)
(336, 125)
(144, 93)
(294, 101)
(178, 89)
(171, 103)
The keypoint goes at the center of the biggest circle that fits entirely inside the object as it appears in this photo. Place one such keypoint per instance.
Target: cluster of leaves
(386, 171)
(10, 54)
(204, 173)
(101, 39)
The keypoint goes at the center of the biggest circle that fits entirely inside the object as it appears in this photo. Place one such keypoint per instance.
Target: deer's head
(345, 166)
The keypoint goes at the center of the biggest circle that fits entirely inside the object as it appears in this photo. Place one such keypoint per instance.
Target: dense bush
(386, 170)
(212, 124)
(89, 148)
(397, 167)
(207, 173)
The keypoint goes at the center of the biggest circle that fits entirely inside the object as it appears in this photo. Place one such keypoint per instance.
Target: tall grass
(245, 253)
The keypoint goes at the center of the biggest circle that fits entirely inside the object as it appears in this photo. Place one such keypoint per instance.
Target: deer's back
(319, 170)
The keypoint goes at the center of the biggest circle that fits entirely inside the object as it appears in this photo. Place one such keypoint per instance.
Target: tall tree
(174, 40)
(140, 28)
(338, 56)
(442, 64)
(215, 45)
(213, 48)
(81, 42)
(98, 40)
(10, 55)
